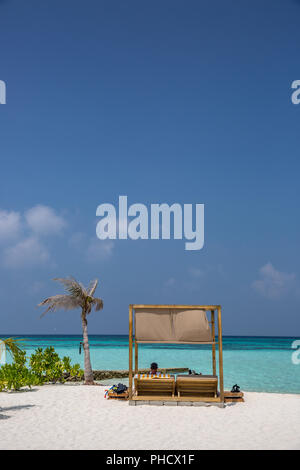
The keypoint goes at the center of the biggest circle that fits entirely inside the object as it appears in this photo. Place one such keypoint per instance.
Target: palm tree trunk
(88, 372)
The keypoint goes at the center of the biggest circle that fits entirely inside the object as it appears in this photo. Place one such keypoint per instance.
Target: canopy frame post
(136, 349)
(130, 351)
(220, 347)
(214, 341)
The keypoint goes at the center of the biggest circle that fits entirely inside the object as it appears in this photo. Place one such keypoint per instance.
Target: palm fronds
(73, 287)
(13, 345)
(78, 296)
(57, 302)
(97, 303)
(92, 287)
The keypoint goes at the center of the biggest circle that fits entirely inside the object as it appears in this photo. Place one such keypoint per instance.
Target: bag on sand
(121, 388)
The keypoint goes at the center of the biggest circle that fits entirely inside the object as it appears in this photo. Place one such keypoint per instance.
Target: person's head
(154, 367)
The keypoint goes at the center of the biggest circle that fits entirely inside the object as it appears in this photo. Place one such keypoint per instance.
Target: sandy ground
(78, 417)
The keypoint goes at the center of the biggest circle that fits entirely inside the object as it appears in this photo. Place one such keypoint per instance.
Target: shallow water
(261, 364)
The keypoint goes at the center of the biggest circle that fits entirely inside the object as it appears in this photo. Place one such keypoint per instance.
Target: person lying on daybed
(192, 372)
(153, 368)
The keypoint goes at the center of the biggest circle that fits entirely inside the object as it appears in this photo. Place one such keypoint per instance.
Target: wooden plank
(233, 394)
(113, 395)
(158, 386)
(166, 398)
(190, 386)
(232, 397)
(234, 400)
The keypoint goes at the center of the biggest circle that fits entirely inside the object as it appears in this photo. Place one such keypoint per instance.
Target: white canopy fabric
(172, 326)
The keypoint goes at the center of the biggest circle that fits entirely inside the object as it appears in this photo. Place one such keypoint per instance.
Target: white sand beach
(78, 417)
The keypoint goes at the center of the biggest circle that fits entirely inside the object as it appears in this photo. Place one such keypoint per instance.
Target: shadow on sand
(23, 390)
(12, 408)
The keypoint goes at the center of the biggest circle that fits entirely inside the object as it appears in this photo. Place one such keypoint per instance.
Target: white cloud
(273, 284)
(99, 250)
(43, 220)
(28, 252)
(10, 225)
(93, 249)
(28, 249)
(21, 235)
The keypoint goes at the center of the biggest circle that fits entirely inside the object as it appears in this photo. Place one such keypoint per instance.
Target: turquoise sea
(261, 364)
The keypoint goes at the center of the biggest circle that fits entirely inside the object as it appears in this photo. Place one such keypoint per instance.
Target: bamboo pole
(220, 354)
(130, 352)
(214, 340)
(136, 350)
(136, 357)
(175, 342)
(191, 307)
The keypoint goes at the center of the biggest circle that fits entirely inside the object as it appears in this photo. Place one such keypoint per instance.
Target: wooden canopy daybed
(176, 324)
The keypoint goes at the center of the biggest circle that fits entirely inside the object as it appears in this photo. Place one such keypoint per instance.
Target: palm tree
(12, 345)
(78, 297)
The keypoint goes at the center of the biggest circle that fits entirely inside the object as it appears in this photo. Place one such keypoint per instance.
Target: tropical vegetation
(78, 297)
(12, 345)
(45, 366)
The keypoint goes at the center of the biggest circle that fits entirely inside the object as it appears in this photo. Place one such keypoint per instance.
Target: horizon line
(126, 334)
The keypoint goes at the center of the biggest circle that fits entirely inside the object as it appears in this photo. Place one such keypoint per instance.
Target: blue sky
(172, 101)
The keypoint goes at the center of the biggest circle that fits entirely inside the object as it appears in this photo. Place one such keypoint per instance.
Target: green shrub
(16, 375)
(13, 378)
(73, 371)
(76, 372)
(48, 366)
(45, 366)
